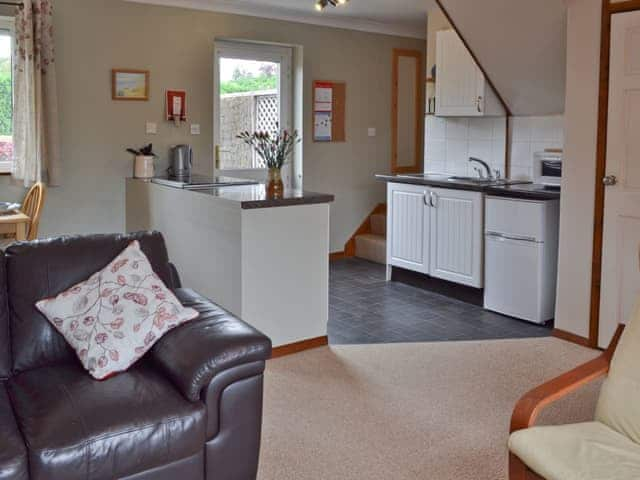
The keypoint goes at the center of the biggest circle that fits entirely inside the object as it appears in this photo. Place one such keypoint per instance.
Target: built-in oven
(547, 168)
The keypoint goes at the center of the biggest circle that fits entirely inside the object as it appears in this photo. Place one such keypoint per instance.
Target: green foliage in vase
(274, 148)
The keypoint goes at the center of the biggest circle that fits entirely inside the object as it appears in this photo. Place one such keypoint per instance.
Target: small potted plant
(143, 162)
(274, 149)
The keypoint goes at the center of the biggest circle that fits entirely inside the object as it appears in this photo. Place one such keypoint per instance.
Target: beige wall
(577, 204)
(176, 45)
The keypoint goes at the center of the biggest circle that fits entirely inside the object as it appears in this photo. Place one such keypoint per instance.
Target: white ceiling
(394, 17)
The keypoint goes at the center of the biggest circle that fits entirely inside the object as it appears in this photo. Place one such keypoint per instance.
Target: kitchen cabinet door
(456, 252)
(461, 88)
(408, 227)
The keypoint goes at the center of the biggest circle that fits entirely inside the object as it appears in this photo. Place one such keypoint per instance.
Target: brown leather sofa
(190, 409)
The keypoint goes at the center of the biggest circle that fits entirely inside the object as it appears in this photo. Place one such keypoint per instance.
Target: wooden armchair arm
(529, 406)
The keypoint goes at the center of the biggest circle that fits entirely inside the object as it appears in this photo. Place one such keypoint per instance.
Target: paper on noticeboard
(322, 126)
(323, 99)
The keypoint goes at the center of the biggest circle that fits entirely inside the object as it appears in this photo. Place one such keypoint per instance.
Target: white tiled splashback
(450, 141)
(530, 135)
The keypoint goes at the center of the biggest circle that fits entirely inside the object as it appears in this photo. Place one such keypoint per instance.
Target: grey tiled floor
(364, 308)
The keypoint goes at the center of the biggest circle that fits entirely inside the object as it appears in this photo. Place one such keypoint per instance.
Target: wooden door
(620, 281)
(408, 227)
(456, 236)
(460, 84)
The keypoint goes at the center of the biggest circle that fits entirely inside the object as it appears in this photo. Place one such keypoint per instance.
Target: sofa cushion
(44, 268)
(13, 454)
(582, 451)
(116, 315)
(79, 428)
(619, 402)
(5, 348)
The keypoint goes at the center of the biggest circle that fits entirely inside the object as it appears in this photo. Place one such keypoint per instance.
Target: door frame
(247, 49)
(419, 116)
(608, 9)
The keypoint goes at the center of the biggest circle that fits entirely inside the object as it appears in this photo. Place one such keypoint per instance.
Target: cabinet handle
(424, 199)
(478, 104)
(433, 199)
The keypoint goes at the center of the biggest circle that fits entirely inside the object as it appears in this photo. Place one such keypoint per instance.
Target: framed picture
(129, 84)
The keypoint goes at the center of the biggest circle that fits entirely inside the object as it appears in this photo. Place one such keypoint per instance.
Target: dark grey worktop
(255, 196)
(531, 191)
(515, 188)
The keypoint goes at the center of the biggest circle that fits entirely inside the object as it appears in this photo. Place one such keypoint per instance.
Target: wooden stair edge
(365, 227)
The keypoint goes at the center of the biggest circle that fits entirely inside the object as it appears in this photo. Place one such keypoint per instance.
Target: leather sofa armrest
(192, 354)
(175, 276)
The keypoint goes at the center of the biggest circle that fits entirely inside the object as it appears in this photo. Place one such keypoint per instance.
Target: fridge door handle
(518, 238)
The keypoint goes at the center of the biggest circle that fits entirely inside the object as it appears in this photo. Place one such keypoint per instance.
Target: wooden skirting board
(571, 337)
(300, 346)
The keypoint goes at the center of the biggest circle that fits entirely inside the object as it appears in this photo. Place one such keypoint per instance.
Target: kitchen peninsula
(263, 259)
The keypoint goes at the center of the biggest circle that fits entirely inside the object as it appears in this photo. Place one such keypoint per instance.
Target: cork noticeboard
(329, 106)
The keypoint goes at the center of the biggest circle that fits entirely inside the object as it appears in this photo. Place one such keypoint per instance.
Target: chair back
(619, 402)
(32, 207)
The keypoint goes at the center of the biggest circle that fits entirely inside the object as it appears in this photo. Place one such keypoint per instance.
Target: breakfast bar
(263, 259)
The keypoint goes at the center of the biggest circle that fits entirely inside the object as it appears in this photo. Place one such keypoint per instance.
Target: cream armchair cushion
(619, 402)
(581, 451)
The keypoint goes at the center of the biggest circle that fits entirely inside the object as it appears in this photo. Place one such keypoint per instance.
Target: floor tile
(364, 308)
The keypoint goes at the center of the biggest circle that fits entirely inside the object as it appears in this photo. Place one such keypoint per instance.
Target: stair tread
(372, 236)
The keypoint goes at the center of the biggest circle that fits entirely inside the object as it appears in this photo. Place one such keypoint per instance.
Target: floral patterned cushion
(113, 318)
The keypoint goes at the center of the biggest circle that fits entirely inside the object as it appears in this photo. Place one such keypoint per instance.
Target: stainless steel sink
(472, 180)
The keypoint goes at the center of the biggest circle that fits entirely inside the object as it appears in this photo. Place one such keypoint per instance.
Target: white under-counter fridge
(521, 257)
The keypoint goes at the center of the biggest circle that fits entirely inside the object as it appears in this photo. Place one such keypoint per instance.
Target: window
(253, 92)
(6, 93)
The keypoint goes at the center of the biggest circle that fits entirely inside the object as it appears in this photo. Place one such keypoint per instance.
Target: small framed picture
(129, 84)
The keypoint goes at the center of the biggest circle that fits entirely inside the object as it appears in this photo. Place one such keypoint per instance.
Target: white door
(460, 84)
(252, 91)
(408, 227)
(456, 236)
(620, 281)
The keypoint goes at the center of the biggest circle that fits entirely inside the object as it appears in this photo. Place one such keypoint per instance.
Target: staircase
(372, 245)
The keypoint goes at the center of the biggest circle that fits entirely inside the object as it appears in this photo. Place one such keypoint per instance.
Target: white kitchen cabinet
(407, 227)
(436, 231)
(456, 247)
(461, 88)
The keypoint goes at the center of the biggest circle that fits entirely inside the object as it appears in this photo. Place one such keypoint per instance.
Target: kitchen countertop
(515, 188)
(530, 191)
(255, 196)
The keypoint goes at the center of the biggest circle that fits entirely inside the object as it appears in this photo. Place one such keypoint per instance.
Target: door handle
(609, 180)
(478, 104)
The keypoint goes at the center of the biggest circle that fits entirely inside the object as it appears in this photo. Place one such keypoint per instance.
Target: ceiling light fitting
(322, 4)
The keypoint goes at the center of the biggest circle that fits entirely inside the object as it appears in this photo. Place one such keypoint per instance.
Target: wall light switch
(152, 128)
(372, 132)
(195, 129)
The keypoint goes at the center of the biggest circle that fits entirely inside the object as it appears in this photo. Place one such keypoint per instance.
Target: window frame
(8, 24)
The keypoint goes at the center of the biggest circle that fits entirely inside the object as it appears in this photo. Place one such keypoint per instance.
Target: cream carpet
(436, 411)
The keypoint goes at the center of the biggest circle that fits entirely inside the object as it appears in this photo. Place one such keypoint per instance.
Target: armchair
(565, 452)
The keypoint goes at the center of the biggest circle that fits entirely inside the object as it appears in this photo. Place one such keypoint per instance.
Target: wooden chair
(564, 451)
(32, 207)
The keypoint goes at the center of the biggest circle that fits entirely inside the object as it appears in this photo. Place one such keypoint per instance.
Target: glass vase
(275, 187)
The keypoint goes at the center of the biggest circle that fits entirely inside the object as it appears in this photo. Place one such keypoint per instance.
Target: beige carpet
(407, 411)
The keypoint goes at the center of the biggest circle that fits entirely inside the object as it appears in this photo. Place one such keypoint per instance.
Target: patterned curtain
(35, 111)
